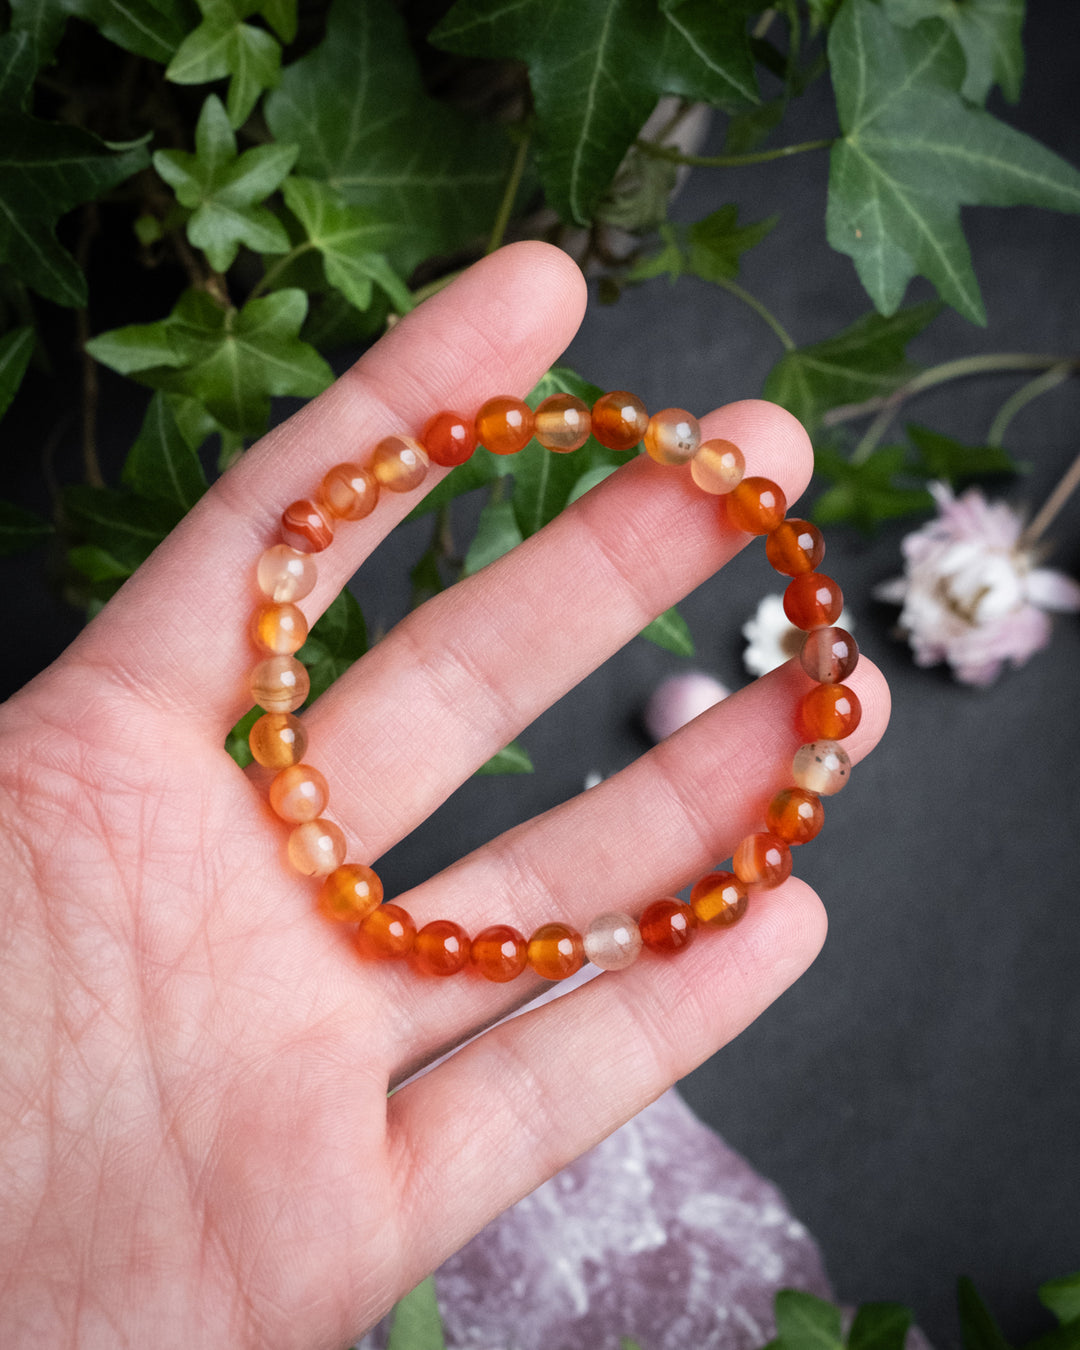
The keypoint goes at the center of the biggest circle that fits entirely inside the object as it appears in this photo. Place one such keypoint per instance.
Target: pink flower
(678, 700)
(971, 593)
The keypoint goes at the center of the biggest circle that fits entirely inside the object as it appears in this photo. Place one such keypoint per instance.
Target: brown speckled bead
(822, 767)
(829, 655)
(672, 436)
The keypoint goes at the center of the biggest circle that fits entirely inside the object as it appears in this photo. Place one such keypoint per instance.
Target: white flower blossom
(771, 637)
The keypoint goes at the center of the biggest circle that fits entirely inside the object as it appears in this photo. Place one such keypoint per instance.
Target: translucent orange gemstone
(718, 466)
(828, 712)
(281, 629)
(667, 925)
(316, 847)
(499, 953)
(556, 951)
(350, 893)
(441, 948)
(795, 546)
(718, 899)
(813, 600)
(504, 425)
(284, 573)
(619, 420)
(299, 793)
(449, 439)
(613, 941)
(279, 684)
(829, 655)
(562, 423)
(277, 740)
(672, 436)
(387, 932)
(399, 463)
(762, 860)
(756, 505)
(821, 766)
(796, 815)
(307, 527)
(349, 491)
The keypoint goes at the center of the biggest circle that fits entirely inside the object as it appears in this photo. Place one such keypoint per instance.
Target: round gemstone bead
(667, 925)
(672, 436)
(350, 893)
(822, 767)
(504, 425)
(277, 740)
(795, 815)
(280, 629)
(756, 505)
(285, 574)
(499, 953)
(386, 933)
(349, 491)
(316, 847)
(829, 655)
(299, 793)
(441, 948)
(794, 547)
(449, 439)
(613, 941)
(828, 712)
(813, 600)
(307, 527)
(399, 463)
(619, 420)
(279, 684)
(762, 860)
(718, 899)
(556, 951)
(718, 467)
(562, 423)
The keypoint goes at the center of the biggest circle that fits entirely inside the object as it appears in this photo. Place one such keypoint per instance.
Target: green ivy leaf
(126, 527)
(42, 21)
(1062, 1297)
(281, 16)
(416, 1322)
(337, 640)
(497, 532)
(709, 248)
(236, 742)
(512, 758)
(804, 1322)
(913, 152)
(670, 631)
(223, 190)
(151, 28)
(97, 564)
(16, 348)
(879, 1326)
(990, 33)
(866, 494)
(161, 465)
(382, 142)
(866, 360)
(978, 1328)
(951, 460)
(45, 170)
(223, 45)
(20, 529)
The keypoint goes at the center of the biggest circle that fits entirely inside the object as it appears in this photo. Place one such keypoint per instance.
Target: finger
(177, 631)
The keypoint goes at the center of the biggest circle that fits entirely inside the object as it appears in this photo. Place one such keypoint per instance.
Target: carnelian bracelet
(351, 892)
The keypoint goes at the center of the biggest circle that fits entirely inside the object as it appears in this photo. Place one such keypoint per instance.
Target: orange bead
(316, 847)
(718, 899)
(280, 629)
(284, 573)
(813, 600)
(718, 466)
(449, 439)
(667, 925)
(829, 655)
(556, 951)
(794, 547)
(387, 932)
(504, 425)
(499, 953)
(441, 948)
(399, 463)
(279, 684)
(796, 815)
(619, 420)
(762, 860)
(672, 436)
(562, 423)
(307, 527)
(756, 506)
(349, 491)
(277, 740)
(299, 793)
(821, 766)
(828, 712)
(350, 893)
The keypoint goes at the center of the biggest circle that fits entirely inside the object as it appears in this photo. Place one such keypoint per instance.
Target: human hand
(196, 1142)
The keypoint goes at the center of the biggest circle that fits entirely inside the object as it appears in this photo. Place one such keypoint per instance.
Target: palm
(194, 1114)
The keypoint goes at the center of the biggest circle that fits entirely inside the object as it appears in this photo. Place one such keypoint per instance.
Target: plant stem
(1041, 384)
(434, 287)
(506, 206)
(759, 309)
(272, 273)
(730, 161)
(1053, 504)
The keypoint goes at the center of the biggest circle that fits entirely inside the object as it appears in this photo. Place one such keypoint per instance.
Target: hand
(196, 1143)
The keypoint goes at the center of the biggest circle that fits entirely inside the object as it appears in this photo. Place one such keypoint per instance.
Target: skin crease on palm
(197, 1147)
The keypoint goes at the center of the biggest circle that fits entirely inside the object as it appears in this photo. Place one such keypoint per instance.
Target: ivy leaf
(224, 45)
(237, 743)
(709, 248)
(978, 1328)
(990, 33)
(416, 1322)
(866, 360)
(97, 564)
(42, 21)
(351, 240)
(45, 170)
(230, 360)
(337, 640)
(16, 349)
(127, 527)
(223, 190)
(497, 532)
(513, 758)
(152, 28)
(1062, 1297)
(281, 16)
(879, 1326)
(951, 460)
(20, 529)
(866, 494)
(804, 1322)
(597, 70)
(670, 631)
(161, 465)
(358, 109)
(913, 152)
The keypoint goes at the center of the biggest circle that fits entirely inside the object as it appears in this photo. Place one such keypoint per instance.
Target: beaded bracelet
(351, 892)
